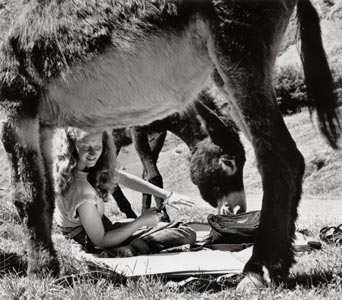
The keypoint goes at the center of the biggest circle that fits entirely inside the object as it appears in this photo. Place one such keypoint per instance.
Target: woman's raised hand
(175, 200)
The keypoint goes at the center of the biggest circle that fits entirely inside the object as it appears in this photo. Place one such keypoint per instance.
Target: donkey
(94, 64)
(217, 172)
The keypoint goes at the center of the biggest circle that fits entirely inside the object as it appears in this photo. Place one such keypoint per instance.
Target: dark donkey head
(217, 164)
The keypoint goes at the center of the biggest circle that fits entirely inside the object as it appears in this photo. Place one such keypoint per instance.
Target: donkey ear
(213, 124)
(228, 164)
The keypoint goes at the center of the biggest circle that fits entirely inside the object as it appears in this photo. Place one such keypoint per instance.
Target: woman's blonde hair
(101, 176)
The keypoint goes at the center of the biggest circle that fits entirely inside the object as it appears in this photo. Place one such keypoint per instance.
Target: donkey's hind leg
(244, 52)
(123, 203)
(149, 159)
(21, 141)
(118, 195)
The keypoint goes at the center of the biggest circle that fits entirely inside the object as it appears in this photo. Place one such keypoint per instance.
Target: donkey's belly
(145, 82)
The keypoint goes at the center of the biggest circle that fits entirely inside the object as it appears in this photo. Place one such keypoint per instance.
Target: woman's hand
(176, 200)
(150, 218)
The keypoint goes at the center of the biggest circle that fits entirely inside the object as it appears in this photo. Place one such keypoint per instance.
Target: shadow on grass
(12, 263)
(212, 284)
(206, 284)
(309, 281)
(92, 276)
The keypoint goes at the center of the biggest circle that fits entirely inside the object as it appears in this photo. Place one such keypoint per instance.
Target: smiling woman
(84, 151)
(89, 149)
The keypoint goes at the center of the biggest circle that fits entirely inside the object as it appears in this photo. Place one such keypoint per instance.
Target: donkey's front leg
(21, 141)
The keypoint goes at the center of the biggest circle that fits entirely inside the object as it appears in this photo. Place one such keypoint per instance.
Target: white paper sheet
(177, 264)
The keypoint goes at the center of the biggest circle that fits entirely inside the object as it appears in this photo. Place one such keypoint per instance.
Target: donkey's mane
(48, 37)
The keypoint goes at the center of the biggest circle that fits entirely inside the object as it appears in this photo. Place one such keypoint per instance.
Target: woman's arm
(137, 184)
(93, 226)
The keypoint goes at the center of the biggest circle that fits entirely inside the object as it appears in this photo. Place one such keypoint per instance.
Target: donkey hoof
(251, 281)
(43, 266)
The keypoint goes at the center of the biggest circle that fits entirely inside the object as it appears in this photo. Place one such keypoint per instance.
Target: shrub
(337, 75)
(290, 90)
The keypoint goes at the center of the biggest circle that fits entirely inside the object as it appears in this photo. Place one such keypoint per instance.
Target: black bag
(233, 229)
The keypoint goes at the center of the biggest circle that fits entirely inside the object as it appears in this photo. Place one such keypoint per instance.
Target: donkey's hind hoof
(43, 264)
(251, 281)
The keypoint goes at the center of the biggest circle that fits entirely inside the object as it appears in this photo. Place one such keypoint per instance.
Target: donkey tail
(317, 73)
